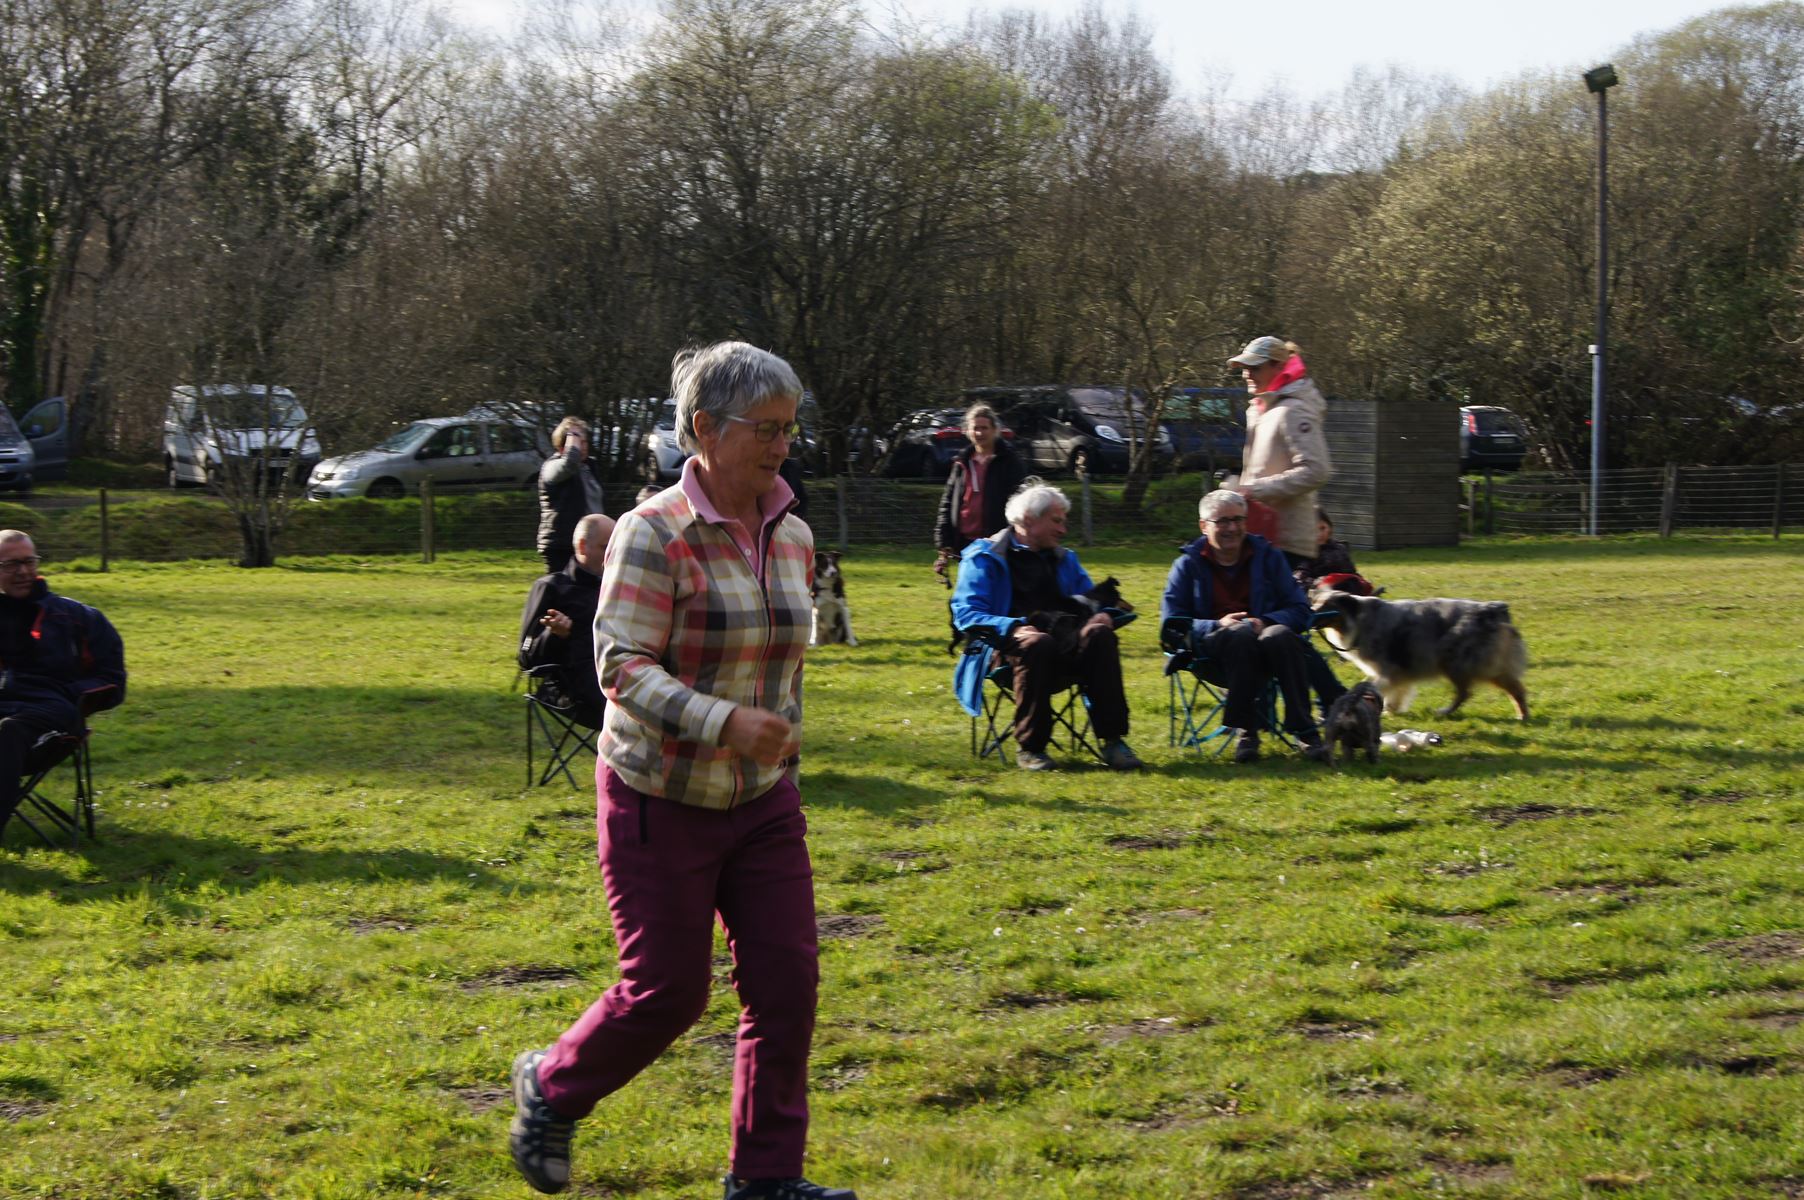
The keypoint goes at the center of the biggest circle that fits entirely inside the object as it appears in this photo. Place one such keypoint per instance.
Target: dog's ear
(833, 557)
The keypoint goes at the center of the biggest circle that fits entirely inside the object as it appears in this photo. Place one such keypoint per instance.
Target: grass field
(1557, 959)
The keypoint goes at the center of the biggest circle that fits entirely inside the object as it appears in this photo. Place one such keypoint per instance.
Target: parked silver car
(458, 454)
(661, 458)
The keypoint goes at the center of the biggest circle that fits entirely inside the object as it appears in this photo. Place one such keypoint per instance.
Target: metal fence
(1638, 499)
(155, 526)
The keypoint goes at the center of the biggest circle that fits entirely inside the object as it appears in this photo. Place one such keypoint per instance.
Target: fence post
(845, 525)
(1470, 487)
(1779, 500)
(105, 532)
(1490, 505)
(1669, 499)
(1084, 480)
(428, 537)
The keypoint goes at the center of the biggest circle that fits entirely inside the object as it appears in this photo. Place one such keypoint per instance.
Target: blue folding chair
(992, 728)
(1197, 692)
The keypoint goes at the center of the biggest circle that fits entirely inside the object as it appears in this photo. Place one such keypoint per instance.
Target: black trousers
(1245, 660)
(1040, 671)
(18, 734)
(1322, 680)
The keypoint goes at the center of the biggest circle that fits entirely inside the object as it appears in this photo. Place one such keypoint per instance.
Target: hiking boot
(1117, 757)
(540, 1135)
(1034, 760)
(1314, 749)
(1246, 746)
(783, 1189)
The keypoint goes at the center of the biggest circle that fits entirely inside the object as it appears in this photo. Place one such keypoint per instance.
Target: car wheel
(386, 489)
(1080, 462)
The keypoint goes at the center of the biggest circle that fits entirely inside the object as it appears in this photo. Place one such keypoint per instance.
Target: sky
(1312, 46)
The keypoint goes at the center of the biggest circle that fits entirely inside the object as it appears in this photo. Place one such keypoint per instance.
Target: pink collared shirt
(771, 507)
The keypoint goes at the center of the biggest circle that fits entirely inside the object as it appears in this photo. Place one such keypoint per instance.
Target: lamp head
(1599, 78)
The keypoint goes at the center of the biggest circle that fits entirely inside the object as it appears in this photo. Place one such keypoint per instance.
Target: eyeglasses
(1226, 520)
(767, 431)
(28, 563)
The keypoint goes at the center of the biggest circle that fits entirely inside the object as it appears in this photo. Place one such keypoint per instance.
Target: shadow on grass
(175, 864)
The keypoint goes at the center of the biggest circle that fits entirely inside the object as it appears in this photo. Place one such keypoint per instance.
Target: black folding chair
(1197, 692)
(74, 818)
(553, 721)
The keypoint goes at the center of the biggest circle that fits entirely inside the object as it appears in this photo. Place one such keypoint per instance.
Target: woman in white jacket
(1286, 458)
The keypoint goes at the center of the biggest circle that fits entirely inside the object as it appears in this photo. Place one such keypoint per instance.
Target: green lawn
(1556, 959)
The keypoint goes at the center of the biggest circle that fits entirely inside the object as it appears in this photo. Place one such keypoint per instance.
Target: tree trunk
(259, 541)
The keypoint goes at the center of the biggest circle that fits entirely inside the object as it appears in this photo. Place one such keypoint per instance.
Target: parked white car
(205, 429)
(16, 455)
(471, 453)
(661, 457)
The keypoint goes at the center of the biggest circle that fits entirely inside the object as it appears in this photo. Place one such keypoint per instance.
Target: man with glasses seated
(59, 659)
(1246, 613)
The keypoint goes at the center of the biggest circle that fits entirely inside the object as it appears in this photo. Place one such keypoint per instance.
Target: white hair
(725, 380)
(1217, 500)
(1033, 500)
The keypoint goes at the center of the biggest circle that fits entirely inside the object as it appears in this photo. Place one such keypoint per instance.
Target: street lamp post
(1599, 80)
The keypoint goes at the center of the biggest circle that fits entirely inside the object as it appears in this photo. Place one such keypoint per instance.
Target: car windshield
(252, 410)
(1496, 420)
(403, 440)
(1102, 403)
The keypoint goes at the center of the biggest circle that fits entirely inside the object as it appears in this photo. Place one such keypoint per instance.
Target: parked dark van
(1083, 430)
(1207, 427)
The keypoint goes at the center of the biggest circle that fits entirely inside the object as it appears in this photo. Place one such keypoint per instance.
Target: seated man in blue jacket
(59, 660)
(558, 627)
(1247, 613)
(1032, 592)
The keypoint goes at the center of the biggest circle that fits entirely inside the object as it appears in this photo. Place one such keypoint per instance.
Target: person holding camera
(569, 490)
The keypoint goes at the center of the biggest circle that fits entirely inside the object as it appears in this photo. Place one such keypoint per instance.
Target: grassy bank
(1563, 958)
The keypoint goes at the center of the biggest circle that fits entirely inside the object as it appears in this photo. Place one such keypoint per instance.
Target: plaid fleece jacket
(685, 633)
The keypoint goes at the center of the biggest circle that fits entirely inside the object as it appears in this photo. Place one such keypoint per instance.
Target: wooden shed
(1396, 473)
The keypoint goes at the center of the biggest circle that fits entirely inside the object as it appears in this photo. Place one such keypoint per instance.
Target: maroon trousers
(670, 869)
(1040, 671)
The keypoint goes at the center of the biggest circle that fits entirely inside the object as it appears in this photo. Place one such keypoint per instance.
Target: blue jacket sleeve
(1182, 589)
(982, 595)
(1073, 579)
(102, 683)
(1289, 606)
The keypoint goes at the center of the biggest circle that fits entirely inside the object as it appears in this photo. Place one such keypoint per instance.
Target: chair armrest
(1180, 661)
(99, 699)
(1174, 634)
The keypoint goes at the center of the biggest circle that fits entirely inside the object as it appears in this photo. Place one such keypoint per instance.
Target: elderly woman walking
(701, 624)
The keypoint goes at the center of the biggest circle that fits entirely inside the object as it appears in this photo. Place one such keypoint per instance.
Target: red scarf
(1292, 371)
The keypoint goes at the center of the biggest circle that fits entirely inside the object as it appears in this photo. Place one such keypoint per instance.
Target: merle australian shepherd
(1399, 644)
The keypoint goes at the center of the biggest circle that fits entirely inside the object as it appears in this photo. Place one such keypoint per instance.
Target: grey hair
(1033, 500)
(13, 535)
(725, 380)
(594, 527)
(565, 428)
(980, 410)
(1217, 500)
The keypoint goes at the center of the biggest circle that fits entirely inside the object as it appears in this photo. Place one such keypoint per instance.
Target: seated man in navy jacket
(1246, 612)
(558, 627)
(59, 659)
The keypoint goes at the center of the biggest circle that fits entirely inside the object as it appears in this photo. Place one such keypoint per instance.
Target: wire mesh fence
(160, 526)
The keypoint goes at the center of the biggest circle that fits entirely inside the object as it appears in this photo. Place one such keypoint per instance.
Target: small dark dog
(832, 615)
(1064, 622)
(1353, 723)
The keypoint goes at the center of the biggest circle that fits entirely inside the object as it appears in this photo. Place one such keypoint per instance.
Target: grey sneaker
(1034, 760)
(783, 1189)
(1246, 747)
(1117, 757)
(540, 1135)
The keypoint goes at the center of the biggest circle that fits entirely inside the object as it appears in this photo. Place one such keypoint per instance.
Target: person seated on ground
(558, 626)
(1036, 597)
(1244, 609)
(59, 659)
(1331, 557)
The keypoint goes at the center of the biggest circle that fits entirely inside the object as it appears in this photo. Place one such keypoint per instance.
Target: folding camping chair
(1197, 691)
(551, 719)
(992, 729)
(49, 752)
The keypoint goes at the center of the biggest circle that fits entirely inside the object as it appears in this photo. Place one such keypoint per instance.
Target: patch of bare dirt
(726, 1040)
(1465, 868)
(1303, 1189)
(522, 977)
(379, 924)
(849, 925)
(1028, 1000)
(1777, 946)
(1335, 1031)
(1574, 1076)
(1466, 920)
(482, 1099)
(1171, 914)
(1472, 1174)
(19, 1110)
(1148, 841)
(1534, 811)
(1198, 1110)
(1112, 1035)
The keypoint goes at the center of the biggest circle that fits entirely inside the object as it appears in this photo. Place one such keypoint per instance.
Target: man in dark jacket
(59, 659)
(558, 627)
(569, 490)
(1246, 614)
